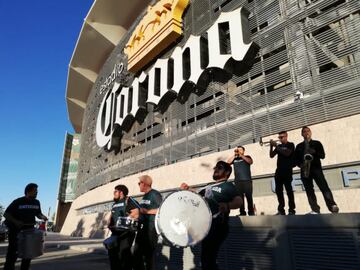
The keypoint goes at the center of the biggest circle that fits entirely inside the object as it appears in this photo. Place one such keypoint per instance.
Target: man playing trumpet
(243, 181)
(307, 157)
(284, 171)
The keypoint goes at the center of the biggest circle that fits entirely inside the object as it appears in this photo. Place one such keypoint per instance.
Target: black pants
(284, 179)
(147, 245)
(12, 255)
(121, 257)
(317, 175)
(211, 244)
(245, 188)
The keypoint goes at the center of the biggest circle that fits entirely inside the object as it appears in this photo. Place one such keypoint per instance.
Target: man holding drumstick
(148, 237)
(124, 206)
(221, 197)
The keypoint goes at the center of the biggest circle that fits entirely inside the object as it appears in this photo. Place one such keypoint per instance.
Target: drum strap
(210, 186)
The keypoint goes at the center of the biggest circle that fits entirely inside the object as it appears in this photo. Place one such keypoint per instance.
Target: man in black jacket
(315, 172)
(284, 171)
(21, 215)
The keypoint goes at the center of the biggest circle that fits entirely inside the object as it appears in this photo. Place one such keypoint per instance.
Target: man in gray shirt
(243, 181)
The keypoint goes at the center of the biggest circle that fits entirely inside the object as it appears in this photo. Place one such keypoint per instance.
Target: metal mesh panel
(306, 46)
(324, 249)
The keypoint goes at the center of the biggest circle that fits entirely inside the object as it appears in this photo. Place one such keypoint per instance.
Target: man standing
(284, 171)
(21, 215)
(307, 157)
(124, 206)
(221, 197)
(243, 181)
(149, 206)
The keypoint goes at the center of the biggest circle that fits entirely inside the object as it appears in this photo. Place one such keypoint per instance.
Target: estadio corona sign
(223, 50)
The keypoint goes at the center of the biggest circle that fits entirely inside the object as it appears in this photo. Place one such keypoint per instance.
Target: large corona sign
(224, 50)
(159, 28)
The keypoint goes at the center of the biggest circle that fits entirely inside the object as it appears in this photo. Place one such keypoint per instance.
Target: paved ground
(67, 253)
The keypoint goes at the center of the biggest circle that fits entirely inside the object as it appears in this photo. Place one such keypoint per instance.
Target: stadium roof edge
(105, 24)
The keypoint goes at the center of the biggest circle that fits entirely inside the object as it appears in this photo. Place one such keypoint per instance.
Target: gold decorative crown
(159, 28)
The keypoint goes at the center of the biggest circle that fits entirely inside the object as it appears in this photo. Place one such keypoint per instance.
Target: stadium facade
(167, 88)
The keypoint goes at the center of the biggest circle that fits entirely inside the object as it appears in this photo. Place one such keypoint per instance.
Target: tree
(1, 212)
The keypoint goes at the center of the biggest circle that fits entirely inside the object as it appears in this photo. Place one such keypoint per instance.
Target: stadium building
(169, 87)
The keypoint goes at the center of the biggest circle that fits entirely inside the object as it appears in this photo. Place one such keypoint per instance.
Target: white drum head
(183, 219)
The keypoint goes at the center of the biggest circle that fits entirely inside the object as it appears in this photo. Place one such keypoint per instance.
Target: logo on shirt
(148, 202)
(118, 205)
(217, 189)
(28, 206)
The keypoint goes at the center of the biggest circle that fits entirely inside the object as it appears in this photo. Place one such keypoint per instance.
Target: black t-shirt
(285, 163)
(151, 200)
(223, 192)
(122, 208)
(241, 169)
(25, 210)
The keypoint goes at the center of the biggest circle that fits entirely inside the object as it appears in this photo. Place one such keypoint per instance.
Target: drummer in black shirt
(221, 197)
(124, 206)
(20, 215)
(284, 171)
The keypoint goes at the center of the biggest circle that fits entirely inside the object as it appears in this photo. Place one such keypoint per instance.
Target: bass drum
(184, 219)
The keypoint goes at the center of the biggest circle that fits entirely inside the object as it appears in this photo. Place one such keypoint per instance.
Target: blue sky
(37, 39)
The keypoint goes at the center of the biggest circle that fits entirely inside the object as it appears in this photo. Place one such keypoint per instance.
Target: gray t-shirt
(241, 169)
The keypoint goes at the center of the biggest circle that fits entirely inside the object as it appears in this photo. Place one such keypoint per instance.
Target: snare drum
(126, 224)
(183, 219)
(111, 242)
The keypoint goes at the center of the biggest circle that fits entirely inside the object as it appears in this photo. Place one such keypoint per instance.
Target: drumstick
(132, 248)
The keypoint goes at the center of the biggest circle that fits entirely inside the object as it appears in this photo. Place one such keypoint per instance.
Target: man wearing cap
(21, 215)
(149, 206)
(221, 197)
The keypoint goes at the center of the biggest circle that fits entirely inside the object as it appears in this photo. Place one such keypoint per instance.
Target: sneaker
(291, 213)
(313, 213)
(280, 214)
(334, 209)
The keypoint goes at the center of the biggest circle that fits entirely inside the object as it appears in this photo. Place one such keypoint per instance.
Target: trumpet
(267, 143)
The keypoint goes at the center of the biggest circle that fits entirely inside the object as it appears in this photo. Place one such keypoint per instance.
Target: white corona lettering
(187, 69)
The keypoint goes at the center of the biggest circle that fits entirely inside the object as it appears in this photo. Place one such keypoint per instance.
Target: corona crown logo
(159, 28)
